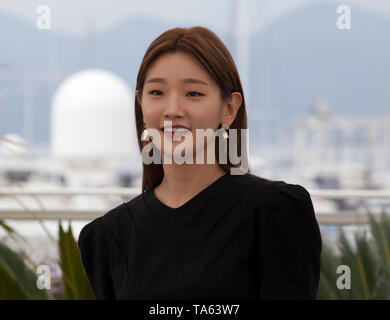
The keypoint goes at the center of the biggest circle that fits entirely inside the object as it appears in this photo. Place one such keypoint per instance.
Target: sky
(71, 16)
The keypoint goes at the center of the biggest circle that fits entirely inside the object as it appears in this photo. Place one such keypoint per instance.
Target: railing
(342, 217)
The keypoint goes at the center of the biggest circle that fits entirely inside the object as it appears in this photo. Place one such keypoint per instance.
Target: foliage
(368, 260)
(75, 279)
(18, 280)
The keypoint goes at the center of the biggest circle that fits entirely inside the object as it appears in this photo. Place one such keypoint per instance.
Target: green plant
(77, 286)
(18, 280)
(368, 260)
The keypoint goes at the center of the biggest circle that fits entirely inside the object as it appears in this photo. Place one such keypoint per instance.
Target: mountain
(306, 56)
(294, 61)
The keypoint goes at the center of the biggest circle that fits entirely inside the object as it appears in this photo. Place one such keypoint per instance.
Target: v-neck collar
(159, 205)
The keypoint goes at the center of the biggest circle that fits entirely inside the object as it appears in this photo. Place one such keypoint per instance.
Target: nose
(173, 108)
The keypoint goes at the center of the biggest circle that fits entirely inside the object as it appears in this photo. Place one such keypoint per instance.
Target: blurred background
(318, 100)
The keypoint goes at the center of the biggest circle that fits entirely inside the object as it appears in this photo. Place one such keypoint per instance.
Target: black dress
(242, 237)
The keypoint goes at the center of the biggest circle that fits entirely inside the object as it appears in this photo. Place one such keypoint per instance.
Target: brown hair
(205, 46)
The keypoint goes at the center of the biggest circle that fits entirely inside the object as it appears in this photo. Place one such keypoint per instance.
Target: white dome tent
(92, 121)
(92, 118)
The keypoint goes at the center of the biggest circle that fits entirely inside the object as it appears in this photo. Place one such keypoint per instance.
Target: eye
(151, 92)
(199, 94)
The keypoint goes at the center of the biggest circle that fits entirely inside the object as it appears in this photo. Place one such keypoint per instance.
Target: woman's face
(178, 89)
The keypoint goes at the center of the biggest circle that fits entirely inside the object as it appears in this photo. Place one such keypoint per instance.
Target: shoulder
(279, 203)
(248, 182)
(102, 227)
(136, 201)
(268, 193)
(281, 192)
(90, 234)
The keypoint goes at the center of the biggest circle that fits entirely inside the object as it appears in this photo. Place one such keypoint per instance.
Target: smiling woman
(197, 231)
(181, 79)
(186, 93)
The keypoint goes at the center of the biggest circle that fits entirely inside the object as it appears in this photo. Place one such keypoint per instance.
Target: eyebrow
(187, 80)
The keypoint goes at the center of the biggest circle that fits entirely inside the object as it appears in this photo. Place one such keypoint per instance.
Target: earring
(145, 134)
(225, 134)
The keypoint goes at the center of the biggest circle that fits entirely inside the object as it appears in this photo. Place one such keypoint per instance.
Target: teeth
(177, 130)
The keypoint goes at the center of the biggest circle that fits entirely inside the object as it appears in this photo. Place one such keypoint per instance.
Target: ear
(230, 109)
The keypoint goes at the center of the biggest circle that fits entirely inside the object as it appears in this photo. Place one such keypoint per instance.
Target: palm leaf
(13, 265)
(10, 288)
(366, 263)
(327, 287)
(381, 242)
(76, 282)
(349, 257)
(11, 232)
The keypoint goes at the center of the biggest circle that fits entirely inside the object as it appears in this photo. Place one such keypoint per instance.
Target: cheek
(151, 117)
(206, 118)
(208, 123)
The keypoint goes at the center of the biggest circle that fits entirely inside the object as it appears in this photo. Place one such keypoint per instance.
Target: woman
(197, 231)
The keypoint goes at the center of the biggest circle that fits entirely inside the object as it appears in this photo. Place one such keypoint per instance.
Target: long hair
(207, 48)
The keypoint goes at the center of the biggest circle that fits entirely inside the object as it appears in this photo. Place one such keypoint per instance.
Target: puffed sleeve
(290, 244)
(92, 244)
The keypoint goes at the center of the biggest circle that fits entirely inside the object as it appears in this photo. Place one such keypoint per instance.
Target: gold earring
(145, 134)
(225, 134)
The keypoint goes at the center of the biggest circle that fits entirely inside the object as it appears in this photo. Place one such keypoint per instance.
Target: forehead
(176, 66)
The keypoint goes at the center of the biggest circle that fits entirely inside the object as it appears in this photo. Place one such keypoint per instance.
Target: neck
(181, 182)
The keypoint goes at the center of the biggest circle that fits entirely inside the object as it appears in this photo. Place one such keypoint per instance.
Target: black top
(242, 237)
